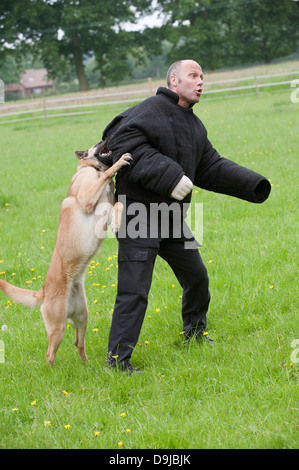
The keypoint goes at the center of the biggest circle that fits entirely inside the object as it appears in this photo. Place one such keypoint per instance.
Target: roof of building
(35, 78)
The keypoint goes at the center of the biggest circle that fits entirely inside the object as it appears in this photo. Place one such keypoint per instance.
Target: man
(171, 152)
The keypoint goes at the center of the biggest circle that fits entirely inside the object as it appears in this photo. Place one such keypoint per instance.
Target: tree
(196, 31)
(68, 31)
(265, 30)
(221, 33)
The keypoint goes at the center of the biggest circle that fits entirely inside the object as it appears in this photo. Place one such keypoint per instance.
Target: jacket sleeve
(221, 175)
(150, 168)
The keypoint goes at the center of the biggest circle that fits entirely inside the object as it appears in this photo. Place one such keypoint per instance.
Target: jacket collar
(168, 93)
(171, 95)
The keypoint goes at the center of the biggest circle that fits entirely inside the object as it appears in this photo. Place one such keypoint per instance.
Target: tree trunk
(78, 59)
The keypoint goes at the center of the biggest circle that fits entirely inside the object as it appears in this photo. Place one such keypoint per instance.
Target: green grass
(240, 393)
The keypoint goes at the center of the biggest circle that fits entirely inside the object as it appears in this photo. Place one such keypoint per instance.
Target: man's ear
(173, 81)
(79, 154)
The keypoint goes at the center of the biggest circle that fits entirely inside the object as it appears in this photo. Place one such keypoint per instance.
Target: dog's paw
(114, 227)
(125, 159)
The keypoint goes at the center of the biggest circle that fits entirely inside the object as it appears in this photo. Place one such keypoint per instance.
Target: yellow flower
(47, 423)
(64, 393)
(146, 342)
(205, 333)
(123, 415)
(33, 403)
(120, 444)
(95, 330)
(157, 310)
(15, 409)
(67, 426)
(271, 287)
(96, 433)
(128, 430)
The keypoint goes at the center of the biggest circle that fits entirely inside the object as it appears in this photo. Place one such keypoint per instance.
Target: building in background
(32, 82)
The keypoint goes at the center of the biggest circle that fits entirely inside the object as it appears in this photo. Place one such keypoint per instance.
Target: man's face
(188, 83)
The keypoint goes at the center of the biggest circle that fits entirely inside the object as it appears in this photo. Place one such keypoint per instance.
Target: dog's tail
(26, 297)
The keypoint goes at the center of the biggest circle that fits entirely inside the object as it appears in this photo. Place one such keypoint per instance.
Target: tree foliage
(64, 34)
(221, 33)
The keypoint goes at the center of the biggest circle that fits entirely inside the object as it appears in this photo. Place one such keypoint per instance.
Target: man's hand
(183, 188)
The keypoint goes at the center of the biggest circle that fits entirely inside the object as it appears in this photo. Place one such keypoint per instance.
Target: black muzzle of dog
(103, 154)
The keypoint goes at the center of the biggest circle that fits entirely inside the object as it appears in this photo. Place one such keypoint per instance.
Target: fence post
(45, 108)
(256, 85)
(150, 85)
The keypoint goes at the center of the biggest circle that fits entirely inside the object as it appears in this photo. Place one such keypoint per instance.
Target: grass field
(240, 393)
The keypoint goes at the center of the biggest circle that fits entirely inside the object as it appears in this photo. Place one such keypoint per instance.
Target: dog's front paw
(125, 159)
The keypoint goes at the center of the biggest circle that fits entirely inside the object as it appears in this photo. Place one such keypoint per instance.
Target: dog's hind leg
(80, 331)
(54, 316)
(80, 319)
(115, 216)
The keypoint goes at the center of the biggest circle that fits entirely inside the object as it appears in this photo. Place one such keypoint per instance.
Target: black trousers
(136, 260)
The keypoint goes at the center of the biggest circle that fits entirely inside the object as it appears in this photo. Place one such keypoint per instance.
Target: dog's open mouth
(103, 154)
(102, 151)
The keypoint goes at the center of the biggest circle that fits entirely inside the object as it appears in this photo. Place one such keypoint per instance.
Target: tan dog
(87, 210)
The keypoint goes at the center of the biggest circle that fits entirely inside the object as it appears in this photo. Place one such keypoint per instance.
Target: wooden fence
(85, 103)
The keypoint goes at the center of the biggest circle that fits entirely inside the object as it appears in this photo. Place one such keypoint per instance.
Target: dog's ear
(79, 154)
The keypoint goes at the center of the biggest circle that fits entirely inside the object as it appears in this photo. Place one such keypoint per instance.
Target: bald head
(185, 77)
(175, 69)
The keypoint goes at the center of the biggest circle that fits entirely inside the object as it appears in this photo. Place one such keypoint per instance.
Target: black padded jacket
(167, 141)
